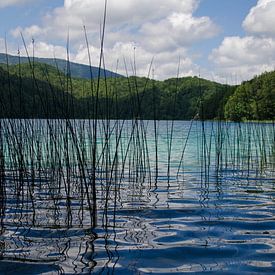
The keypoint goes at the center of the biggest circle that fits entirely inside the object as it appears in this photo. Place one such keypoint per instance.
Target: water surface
(172, 197)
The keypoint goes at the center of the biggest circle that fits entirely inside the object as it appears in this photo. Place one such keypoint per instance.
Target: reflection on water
(198, 201)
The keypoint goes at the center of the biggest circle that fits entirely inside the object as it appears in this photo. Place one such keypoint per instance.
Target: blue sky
(229, 15)
(228, 40)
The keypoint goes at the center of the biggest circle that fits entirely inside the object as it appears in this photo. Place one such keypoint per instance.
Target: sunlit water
(210, 209)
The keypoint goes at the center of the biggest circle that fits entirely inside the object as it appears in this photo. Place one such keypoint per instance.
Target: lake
(136, 197)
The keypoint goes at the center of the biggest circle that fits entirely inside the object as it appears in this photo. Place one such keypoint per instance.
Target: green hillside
(253, 100)
(47, 92)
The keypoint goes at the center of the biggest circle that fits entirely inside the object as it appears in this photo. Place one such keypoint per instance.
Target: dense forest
(42, 91)
(253, 100)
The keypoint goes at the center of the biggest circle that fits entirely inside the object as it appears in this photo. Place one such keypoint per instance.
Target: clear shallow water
(211, 210)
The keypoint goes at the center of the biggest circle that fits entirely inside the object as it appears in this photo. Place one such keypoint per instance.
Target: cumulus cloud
(29, 32)
(11, 48)
(261, 19)
(177, 30)
(121, 15)
(119, 11)
(235, 51)
(161, 29)
(165, 63)
(254, 53)
(43, 49)
(122, 54)
(127, 17)
(245, 56)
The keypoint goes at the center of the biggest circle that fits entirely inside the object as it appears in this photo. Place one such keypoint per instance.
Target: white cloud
(7, 3)
(127, 17)
(119, 11)
(235, 51)
(177, 30)
(261, 19)
(121, 15)
(161, 29)
(246, 57)
(254, 53)
(2, 45)
(165, 63)
(43, 49)
(29, 32)
(11, 49)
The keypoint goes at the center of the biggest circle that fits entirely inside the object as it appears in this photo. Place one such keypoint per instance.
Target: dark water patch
(18, 267)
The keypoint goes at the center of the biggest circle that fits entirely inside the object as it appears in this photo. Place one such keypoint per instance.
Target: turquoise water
(172, 197)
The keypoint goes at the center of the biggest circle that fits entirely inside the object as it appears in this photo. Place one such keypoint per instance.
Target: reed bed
(61, 162)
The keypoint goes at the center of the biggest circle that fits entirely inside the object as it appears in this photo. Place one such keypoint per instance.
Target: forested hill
(77, 70)
(253, 100)
(47, 92)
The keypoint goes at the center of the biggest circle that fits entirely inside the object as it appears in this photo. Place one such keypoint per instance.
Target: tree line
(41, 91)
